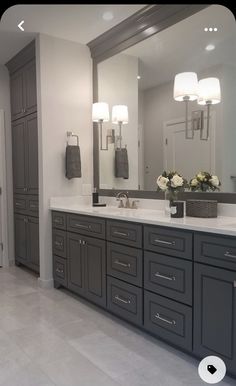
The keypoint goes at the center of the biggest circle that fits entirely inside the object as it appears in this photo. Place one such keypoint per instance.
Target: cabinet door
(33, 242)
(31, 150)
(75, 263)
(214, 314)
(20, 238)
(17, 94)
(94, 252)
(18, 156)
(30, 92)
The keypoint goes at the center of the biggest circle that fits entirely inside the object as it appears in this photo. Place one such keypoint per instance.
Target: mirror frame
(148, 21)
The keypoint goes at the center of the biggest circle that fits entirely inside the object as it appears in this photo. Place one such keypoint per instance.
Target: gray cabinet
(23, 91)
(86, 267)
(25, 155)
(215, 314)
(27, 241)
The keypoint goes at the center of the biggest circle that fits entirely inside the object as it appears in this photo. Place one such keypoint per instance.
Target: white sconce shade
(100, 112)
(120, 114)
(209, 91)
(186, 86)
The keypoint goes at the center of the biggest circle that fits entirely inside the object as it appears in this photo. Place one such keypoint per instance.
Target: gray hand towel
(121, 163)
(73, 162)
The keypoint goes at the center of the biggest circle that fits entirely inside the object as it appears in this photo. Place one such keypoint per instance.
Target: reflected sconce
(186, 90)
(209, 94)
(206, 92)
(100, 114)
(120, 116)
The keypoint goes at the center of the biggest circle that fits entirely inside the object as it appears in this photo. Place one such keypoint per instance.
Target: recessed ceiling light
(138, 77)
(210, 47)
(107, 16)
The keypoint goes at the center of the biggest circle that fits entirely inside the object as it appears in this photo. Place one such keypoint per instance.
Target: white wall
(118, 85)
(5, 105)
(64, 83)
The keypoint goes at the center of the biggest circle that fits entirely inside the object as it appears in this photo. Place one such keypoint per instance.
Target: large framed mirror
(140, 73)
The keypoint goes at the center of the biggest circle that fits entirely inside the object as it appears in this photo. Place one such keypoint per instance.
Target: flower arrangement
(172, 183)
(205, 182)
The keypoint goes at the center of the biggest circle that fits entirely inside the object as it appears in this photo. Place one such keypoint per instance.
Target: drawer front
(60, 270)
(86, 225)
(125, 263)
(33, 206)
(20, 204)
(59, 242)
(124, 233)
(59, 220)
(169, 320)
(168, 276)
(124, 300)
(168, 241)
(215, 250)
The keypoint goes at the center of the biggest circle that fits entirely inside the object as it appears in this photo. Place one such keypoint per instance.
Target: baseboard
(45, 283)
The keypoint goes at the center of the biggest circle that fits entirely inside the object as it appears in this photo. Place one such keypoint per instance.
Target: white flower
(215, 181)
(200, 176)
(194, 182)
(162, 182)
(176, 181)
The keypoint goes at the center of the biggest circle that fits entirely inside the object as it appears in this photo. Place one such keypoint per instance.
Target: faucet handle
(121, 204)
(134, 204)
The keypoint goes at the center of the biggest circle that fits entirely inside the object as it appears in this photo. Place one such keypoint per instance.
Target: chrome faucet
(119, 197)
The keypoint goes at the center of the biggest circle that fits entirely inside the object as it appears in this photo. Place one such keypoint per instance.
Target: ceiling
(79, 23)
(182, 47)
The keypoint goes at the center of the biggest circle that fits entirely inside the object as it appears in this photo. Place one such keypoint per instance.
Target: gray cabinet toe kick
(175, 284)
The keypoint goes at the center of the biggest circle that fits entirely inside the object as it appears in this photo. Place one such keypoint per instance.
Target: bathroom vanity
(174, 278)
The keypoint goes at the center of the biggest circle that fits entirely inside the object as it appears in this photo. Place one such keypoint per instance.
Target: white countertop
(222, 224)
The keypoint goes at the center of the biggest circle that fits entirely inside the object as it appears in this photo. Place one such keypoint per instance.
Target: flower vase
(170, 197)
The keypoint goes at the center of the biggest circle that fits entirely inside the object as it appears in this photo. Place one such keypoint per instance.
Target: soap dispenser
(95, 198)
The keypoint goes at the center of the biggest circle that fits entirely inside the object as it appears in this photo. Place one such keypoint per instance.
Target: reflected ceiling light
(138, 77)
(210, 47)
(107, 16)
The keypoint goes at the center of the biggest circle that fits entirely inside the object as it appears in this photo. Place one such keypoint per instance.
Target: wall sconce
(206, 91)
(120, 117)
(100, 114)
(209, 94)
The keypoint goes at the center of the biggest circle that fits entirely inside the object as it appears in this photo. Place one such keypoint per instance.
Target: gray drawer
(168, 276)
(33, 205)
(168, 320)
(59, 220)
(59, 242)
(125, 300)
(20, 204)
(86, 225)
(125, 263)
(168, 241)
(215, 250)
(60, 270)
(125, 233)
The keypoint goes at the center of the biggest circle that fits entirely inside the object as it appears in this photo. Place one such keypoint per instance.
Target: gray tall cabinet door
(94, 252)
(30, 92)
(20, 238)
(18, 156)
(33, 241)
(31, 152)
(215, 314)
(17, 94)
(75, 263)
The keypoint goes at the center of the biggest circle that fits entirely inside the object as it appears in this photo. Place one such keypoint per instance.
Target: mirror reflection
(168, 103)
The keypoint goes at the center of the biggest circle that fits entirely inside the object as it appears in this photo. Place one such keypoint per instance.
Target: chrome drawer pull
(157, 274)
(57, 221)
(117, 297)
(82, 226)
(18, 204)
(59, 270)
(59, 243)
(172, 322)
(164, 242)
(121, 233)
(122, 264)
(228, 254)
(33, 206)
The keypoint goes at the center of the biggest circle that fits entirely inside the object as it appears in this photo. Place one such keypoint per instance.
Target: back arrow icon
(20, 25)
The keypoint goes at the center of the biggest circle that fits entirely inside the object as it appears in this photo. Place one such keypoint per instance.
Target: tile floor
(51, 337)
